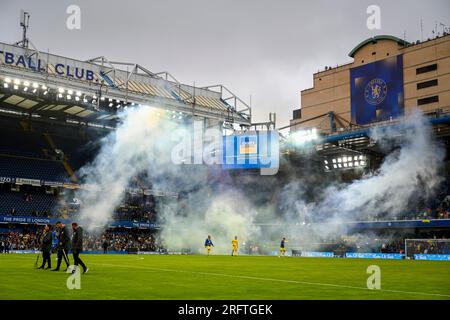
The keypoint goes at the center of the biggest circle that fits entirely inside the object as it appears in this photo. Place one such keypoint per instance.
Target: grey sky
(266, 49)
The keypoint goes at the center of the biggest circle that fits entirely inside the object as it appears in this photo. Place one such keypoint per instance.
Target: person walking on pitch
(46, 247)
(282, 247)
(234, 245)
(208, 245)
(77, 246)
(63, 245)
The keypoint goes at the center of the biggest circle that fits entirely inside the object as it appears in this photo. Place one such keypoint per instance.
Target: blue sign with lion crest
(377, 91)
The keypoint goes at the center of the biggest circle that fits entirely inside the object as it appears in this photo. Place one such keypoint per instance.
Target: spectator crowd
(110, 240)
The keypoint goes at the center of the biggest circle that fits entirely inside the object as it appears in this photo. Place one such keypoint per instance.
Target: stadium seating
(17, 141)
(32, 168)
(39, 204)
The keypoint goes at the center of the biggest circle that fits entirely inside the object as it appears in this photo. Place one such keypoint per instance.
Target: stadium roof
(104, 86)
(374, 40)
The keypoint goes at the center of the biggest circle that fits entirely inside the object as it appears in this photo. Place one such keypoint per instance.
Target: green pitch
(225, 277)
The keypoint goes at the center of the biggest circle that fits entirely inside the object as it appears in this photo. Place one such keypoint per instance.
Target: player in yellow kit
(235, 245)
(282, 247)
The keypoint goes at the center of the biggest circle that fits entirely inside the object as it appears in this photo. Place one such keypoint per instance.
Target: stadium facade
(387, 79)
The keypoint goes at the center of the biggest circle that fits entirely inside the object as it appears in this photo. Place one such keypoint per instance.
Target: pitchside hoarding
(314, 254)
(377, 91)
(6, 219)
(432, 257)
(368, 255)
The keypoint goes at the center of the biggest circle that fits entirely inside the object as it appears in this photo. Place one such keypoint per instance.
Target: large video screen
(252, 150)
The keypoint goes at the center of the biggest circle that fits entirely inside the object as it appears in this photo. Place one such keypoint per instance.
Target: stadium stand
(32, 168)
(26, 204)
(116, 240)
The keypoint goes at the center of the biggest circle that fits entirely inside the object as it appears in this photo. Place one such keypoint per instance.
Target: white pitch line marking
(272, 279)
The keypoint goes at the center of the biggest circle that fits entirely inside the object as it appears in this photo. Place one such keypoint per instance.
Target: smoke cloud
(259, 211)
(408, 175)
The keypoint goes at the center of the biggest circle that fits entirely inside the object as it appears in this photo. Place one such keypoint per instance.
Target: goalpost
(426, 246)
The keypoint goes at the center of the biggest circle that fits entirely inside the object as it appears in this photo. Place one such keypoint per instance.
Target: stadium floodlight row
(81, 89)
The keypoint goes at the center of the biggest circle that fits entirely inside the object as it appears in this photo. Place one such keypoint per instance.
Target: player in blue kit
(208, 245)
(282, 247)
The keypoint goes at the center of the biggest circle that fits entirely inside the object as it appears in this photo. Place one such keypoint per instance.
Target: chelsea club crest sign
(375, 91)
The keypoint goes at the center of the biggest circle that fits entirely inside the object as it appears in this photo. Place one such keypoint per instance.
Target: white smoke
(142, 144)
(412, 171)
(409, 173)
(222, 215)
(137, 145)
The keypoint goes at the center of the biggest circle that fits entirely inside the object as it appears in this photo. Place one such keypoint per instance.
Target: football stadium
(120, 183)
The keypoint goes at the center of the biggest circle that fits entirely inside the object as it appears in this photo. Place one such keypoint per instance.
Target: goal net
(426, 246)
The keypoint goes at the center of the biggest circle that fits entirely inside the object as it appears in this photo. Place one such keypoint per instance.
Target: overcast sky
(264, 49)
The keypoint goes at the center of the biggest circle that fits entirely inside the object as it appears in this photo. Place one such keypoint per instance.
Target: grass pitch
(225, 277)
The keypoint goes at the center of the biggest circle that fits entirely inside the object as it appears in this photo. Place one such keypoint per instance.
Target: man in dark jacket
(46, 247)
(105, 246)
(77, 246)
(63, 244)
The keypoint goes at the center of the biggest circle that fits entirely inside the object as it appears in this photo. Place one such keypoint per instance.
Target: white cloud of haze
(408, 174)
(213, 203)
(125, 153)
